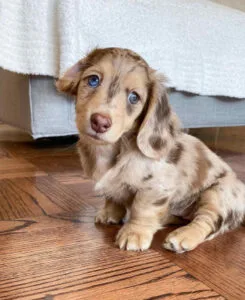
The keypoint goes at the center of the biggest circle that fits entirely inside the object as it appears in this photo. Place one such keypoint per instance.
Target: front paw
(183, 239)
(105, 216)
(134, 237)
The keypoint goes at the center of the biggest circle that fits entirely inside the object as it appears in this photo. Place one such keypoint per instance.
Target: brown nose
(100, 123)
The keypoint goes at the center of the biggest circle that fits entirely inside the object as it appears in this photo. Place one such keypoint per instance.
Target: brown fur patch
(234, 193)
(175, 154)
(97, 54)
(156, 142)
(233, 219)
(202, 167)
(209, 164)
(161, 201)
(114, 87)
(133, 68)
(162, 108)
(184, 174)
(183, 207)
(218, 223)
(214, 184)
(136, 57)
(171, 129)
(223, 174)
(207, 207)
(148, 177)
(215, 224)
(220, 176)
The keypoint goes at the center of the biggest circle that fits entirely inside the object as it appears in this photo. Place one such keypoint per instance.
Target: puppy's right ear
(68, 83)
(160, 125)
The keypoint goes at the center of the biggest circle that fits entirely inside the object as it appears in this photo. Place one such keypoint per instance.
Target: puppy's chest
(132, 174)
(103, 164)
(120, 182)
(96, 160)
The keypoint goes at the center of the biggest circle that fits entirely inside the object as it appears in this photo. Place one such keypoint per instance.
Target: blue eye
(133, 98)
(93, 81)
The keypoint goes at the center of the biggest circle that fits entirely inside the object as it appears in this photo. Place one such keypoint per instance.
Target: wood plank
(3, 153)
(17, 168)
(86, 190)
(219, 263)
(67, 199)
(66, 169)
(56, 164)
(19, 198)
(26, 197)
(15, 202)
(48, 258)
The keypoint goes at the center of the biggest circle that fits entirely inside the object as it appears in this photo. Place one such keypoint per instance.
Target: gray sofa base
(33, 104)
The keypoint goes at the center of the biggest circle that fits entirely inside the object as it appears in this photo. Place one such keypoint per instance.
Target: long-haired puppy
(150, 172)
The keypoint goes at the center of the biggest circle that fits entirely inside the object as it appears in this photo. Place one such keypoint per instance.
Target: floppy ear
(157, 131)
(68, 82)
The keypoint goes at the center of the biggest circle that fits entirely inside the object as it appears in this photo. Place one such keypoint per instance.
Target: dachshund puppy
(150, 172)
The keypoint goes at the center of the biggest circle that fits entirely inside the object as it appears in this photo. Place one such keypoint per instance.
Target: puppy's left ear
(68, 83)
(159, 125)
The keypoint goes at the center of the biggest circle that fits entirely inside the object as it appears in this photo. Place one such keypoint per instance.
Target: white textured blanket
(199, 45)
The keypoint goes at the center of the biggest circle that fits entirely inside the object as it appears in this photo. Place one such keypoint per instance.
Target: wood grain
(61, 259)
(66, 171)
(3, 153)
(16, 168)
(61, 195)
(26, 197)
(19, 198)
(218, 263)
(86, 188)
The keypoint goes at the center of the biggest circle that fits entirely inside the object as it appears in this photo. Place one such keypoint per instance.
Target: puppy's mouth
(95, 138)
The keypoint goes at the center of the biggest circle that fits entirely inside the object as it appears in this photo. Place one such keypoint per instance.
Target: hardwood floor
(51, 249)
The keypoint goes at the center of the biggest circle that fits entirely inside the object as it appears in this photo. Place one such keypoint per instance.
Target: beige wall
(238, 4)
(225, 138)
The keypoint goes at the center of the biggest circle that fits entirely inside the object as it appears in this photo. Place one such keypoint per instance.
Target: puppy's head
(116, 91)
